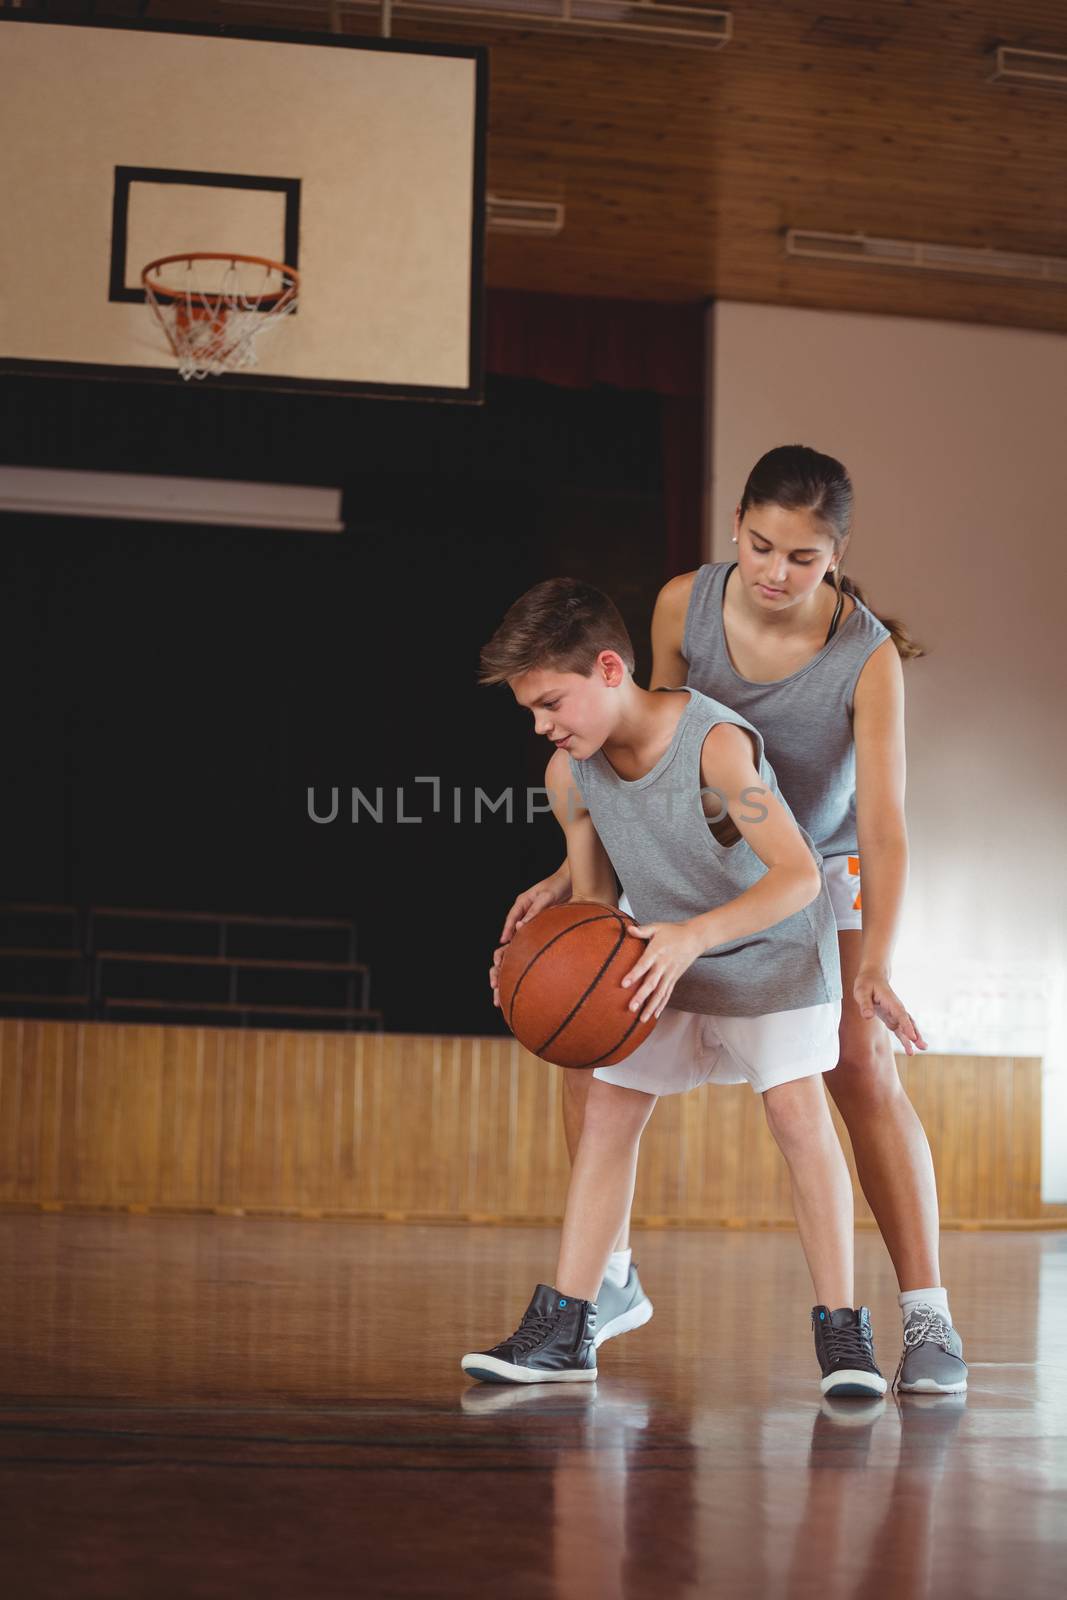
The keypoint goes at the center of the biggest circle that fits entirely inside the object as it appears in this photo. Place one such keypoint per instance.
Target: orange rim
(161, 291)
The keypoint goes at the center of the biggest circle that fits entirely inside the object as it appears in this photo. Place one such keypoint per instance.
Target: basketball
(561, 986)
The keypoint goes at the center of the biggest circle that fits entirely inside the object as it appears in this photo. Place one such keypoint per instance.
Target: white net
(215, 308)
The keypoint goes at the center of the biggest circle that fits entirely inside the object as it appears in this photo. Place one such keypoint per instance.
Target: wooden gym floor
(223, 1407)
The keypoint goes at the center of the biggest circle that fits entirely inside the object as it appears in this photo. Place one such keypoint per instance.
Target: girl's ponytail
(907, 648)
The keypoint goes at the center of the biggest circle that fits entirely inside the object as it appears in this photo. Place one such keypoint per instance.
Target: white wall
(956, 440)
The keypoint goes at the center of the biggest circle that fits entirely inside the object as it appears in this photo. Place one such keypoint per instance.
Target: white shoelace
(924, 1326)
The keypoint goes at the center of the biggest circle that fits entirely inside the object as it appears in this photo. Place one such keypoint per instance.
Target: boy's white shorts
(688, 1048)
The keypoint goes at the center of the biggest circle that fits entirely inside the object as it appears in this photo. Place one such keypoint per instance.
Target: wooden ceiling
(681, 169)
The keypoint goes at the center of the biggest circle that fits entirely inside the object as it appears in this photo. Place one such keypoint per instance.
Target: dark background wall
(171, 692)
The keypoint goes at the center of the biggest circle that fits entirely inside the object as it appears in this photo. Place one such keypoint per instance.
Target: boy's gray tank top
(805, 719)
(673, 868)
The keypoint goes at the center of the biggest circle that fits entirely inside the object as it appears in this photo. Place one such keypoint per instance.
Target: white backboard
(359, 162)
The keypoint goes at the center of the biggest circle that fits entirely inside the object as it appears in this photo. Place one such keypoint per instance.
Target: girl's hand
(548, 892)
(672, 949)
(875, 998)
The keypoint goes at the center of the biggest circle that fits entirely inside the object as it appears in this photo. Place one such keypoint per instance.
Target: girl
(783, 637)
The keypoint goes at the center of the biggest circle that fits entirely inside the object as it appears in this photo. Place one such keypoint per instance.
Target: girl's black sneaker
(552, 1344)
(845, 1348)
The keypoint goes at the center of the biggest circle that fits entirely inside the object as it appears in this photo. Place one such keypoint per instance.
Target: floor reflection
(876, 1538)
(287, 1396)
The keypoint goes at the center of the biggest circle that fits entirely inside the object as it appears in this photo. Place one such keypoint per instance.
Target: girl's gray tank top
(673, 868)
(805, 719)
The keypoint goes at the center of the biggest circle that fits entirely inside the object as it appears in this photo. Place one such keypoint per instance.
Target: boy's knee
(795, 1111)
(612, 1111)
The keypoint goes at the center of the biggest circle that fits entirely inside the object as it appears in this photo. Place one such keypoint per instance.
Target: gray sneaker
(932, 1362)
(619, 1310)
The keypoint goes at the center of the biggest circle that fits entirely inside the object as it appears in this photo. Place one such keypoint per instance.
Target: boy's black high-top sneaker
(845, 1348)
(552, 1344)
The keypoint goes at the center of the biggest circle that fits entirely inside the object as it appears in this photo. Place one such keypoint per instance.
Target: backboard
(358, 162)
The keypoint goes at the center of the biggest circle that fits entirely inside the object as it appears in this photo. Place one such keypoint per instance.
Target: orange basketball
(561, 986)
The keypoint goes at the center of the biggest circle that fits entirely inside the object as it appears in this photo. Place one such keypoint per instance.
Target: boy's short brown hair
(562, 625)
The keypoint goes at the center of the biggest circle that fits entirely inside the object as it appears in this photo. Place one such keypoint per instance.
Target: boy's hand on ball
(494, 972)
(529, 903)
(527, 906)
(672, 949)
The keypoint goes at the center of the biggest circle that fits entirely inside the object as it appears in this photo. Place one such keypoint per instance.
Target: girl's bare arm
(878, 729)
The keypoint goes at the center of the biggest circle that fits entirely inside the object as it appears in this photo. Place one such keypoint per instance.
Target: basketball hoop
(214, 312)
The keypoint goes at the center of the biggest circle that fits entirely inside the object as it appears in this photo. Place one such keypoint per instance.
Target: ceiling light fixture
(694, 26)
(1042, 68)
(812, 245)
(504, 215)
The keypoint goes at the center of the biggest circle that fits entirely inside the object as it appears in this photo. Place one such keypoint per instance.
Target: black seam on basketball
(580, 1002)
(562, 934)
(584, 1066)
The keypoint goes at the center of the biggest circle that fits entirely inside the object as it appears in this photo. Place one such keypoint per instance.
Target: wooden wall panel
(145, 1117)
(680, 170)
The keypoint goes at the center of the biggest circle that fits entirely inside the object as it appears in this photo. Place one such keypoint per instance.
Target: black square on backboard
(120, 210)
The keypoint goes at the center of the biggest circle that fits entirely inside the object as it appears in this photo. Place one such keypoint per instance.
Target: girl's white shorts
(843, 882)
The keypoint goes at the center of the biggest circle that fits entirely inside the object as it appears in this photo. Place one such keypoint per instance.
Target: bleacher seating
(118, 963)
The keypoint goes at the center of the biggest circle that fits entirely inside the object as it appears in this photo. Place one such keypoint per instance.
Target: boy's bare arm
(591, 872)
(792, 880)
(586, 864)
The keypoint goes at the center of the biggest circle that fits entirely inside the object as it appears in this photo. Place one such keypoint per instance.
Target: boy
(670, 791)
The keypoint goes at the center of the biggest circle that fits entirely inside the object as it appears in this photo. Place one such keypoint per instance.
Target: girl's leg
(893, 1161)
(799, 1118)
(602, 1184)
(575, 1093)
